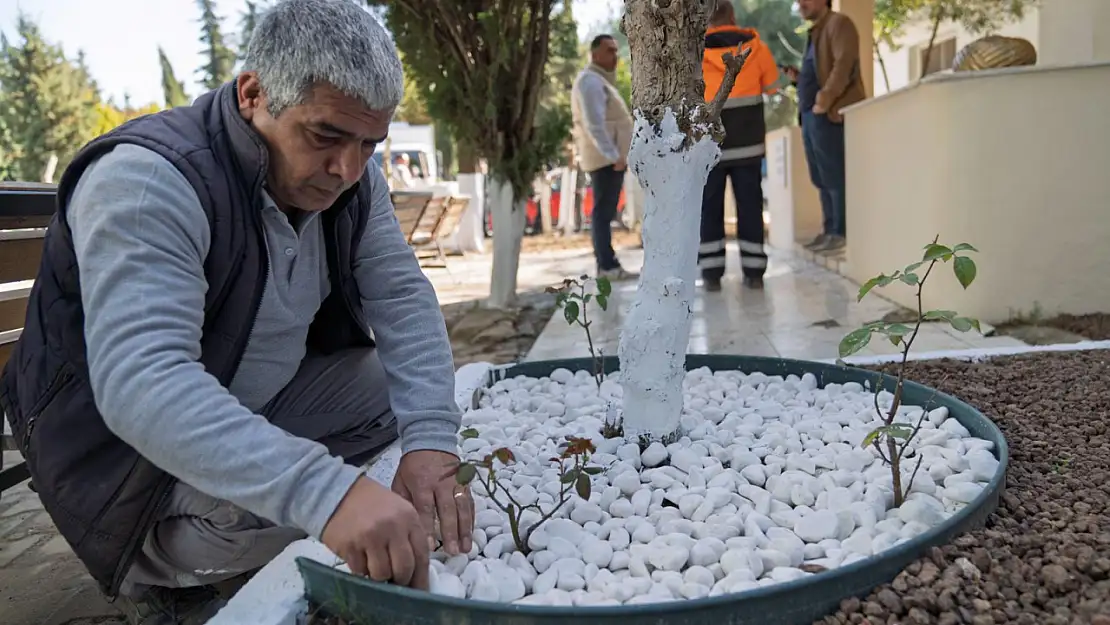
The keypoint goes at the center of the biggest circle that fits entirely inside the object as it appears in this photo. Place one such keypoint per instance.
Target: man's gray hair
(298, 44)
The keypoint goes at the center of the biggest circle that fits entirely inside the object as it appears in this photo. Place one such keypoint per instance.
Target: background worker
(742, 150)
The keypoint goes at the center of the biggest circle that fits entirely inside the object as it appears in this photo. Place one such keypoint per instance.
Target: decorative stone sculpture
(994, 51)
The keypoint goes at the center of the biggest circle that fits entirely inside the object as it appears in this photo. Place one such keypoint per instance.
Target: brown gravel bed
(1044, 556)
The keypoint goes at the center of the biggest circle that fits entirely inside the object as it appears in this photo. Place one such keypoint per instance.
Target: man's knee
(202, 540)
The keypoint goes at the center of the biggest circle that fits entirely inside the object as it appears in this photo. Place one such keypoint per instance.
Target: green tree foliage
(47, 104)
(781, 28)
(219, 64)
(173, 90)
(480, 68)
(247, 22)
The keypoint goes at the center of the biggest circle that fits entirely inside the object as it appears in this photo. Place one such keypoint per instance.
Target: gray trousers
(339, 400)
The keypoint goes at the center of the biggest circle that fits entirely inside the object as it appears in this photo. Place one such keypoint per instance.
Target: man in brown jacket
(828, 81)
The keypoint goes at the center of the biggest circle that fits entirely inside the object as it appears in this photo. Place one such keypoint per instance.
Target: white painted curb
(275, 596)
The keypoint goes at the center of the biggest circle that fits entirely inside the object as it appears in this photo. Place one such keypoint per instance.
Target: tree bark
(673, 149)
(508, 233)
(938, 17)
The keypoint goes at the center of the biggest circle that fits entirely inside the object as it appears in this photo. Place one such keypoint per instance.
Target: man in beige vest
(602, 135)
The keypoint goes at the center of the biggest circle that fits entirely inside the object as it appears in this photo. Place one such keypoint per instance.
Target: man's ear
(249, 91)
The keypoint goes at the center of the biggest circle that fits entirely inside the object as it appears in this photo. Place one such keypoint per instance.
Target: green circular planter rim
(799, 601)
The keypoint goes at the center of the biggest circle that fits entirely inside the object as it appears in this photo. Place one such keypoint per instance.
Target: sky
(120, 38)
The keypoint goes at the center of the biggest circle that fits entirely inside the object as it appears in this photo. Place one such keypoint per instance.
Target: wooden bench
(426, 220)
(25, 211)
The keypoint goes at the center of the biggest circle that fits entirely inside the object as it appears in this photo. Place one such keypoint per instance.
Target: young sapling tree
(574, 299)
(575, 472)
(891, 440)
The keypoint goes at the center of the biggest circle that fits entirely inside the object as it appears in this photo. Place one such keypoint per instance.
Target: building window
(940, 59)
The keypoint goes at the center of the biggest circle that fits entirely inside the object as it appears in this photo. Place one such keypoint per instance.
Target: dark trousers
(824, 145)
(607, 183)
(747, 189)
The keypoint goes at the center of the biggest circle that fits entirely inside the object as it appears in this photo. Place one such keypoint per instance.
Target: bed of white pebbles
(768, 484)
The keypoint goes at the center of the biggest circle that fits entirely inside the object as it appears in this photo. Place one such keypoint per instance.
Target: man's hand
(427, 479)
(378, 534)
(621, 164)
(819, 110)
(790, 71)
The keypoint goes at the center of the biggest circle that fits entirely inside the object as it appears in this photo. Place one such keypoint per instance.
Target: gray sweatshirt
(141, 237)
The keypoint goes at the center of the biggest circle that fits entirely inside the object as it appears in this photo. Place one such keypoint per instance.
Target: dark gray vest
(103, 495)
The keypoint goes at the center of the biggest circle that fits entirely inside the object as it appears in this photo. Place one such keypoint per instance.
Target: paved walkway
(802, 313)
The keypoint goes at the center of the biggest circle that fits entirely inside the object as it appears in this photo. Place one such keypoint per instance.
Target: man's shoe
(832, 244)
(618, 275)
(820, 240)
(171, 606)
(754, 282)
(712, 285)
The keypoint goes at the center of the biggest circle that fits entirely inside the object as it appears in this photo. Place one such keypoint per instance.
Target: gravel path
(1044, 557)
(1094, 326)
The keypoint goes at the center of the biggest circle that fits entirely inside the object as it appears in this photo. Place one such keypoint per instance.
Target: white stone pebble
(769, 477)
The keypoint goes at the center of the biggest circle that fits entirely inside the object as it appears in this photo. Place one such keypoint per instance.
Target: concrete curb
(275, 596)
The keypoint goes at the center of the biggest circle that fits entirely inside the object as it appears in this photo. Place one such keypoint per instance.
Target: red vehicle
(532, 210)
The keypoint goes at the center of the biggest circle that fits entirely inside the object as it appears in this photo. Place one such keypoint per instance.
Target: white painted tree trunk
(508, 232)
(543, 184)
(656, 330)
(471, 236)
(568, 199)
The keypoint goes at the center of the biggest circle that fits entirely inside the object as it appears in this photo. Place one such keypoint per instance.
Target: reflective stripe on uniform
(747, 100)
(744, 152)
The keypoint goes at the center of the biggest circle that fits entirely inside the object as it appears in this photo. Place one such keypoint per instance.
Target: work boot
(754, 282)
(817, 242)
(712, 285)
(171, 606)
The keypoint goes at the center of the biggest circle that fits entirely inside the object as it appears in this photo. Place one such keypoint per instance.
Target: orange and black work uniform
(742, 151)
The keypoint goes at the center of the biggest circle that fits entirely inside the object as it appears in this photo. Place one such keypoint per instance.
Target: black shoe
(754, 282)
(817, 242)
(712, 285)
(171, 606)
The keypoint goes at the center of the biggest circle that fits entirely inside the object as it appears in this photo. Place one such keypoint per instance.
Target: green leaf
(910, 279)
(964, 247)
(588, 297)
(604, 287)
(936, 252)
(880, 280)
(896, 329)
(964, 324)
(569, 476)
(965, 270)
(895, 339)
(854, 342)
(468, 433)
(939, 315)
(912, 268)
(582, 485)
(870, 439)
(570, 312)
(466, 474)
(594, 470)
(503, 455)
(603, 302)
(898, 431)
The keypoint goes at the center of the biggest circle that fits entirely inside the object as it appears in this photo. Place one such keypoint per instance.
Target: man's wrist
(431, 434)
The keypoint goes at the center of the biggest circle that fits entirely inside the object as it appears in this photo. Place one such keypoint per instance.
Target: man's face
(318, 149)
(812, 9)
(607, 54)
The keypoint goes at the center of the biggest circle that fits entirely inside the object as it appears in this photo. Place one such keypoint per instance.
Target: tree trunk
(508, 232)
(672, 152)
(471, 235)
(882, 64)
(938, 17)
(543, 190)
(568, 199)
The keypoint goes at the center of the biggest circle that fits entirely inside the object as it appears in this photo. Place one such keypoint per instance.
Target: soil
(1095, 326)
(480, 334)
(1044, 556)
